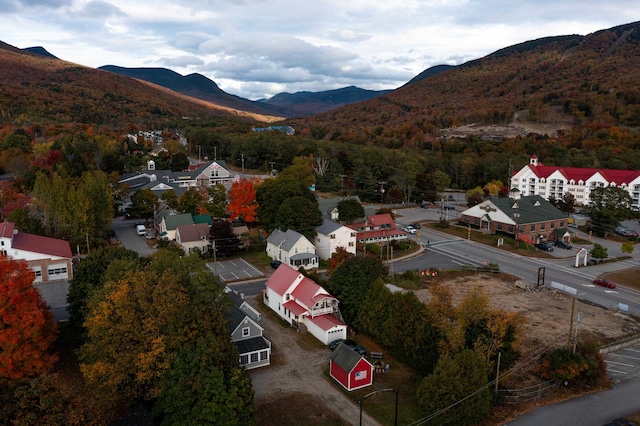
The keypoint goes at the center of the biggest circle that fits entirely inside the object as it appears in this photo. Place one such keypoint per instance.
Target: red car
(604, 283)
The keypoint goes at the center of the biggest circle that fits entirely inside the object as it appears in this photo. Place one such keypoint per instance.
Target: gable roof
(346, 358)
(283, 278)
(309, 292)
(172, 221)
(328, 227)
(193, 232)
(531, 208)
(42, 245)
(326, 322)
(285, 240)
(6, 229)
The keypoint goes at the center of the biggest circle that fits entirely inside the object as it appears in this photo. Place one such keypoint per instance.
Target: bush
(585, 367)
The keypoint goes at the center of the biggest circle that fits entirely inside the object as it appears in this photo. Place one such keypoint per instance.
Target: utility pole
(382, 184)
(342, 183)
(242, 155)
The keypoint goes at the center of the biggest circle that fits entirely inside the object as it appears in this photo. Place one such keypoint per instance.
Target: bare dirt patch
(547, 312)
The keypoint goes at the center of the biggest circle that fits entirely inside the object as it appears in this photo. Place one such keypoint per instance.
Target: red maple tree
(242, 200)
(27, 329)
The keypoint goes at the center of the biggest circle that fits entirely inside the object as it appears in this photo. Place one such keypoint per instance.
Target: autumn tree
(143, 203)
(337, 258)
(242, 200)
(456, 392)
(627, 247)
(222, 238)
(608, 207)
(599, 251)
(189, 201)
(158, 335)
(27, 329)
(215, 201)
(474, 196)
(351, 282)
(170, 198)
(350, 209)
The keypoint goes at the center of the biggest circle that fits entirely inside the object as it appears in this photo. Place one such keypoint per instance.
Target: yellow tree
(131, 336)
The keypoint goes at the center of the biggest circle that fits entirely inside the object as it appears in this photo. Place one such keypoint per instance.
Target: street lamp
(360, 401)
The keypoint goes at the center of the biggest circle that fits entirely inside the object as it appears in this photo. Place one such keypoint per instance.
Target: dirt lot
(296, 389)
(547, 312)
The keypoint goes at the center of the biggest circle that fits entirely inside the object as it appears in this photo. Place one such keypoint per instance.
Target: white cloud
(259, 48)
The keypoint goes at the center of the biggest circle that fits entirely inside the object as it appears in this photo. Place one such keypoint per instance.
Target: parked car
(351, 344)
(625, 232)
(275, 264)
(604, 283)
(409, 229)
(544, 246)
(449, 207)
(416, 225)
(563, 245)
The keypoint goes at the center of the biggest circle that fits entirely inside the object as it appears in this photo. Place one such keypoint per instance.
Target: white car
(409, 229)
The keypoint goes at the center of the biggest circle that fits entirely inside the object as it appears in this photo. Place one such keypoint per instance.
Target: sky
(259, 48)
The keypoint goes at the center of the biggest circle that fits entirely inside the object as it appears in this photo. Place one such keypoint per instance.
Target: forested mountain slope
(565, 80)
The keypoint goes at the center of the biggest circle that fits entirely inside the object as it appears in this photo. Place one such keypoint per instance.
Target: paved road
(592, 410)
(126, 233)
(559, 268)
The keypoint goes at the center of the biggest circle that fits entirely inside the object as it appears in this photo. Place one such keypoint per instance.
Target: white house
(193, 237)
(331, 235)
(254, 350)
(304, 304)
(292, 248)
(554, 181)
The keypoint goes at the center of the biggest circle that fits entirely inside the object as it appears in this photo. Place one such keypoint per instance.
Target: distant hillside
(302, 104)
(39, 89)
(430, 72)
(553, 82)
(298, 104)
(39, 50)
(195, 85)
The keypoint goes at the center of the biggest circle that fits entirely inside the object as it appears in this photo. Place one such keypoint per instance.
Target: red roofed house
(304, 304)
(378, 228)
(49, 258)
(554, 181)
(349, 369)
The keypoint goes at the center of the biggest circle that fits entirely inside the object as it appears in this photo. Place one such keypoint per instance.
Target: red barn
(350, 369)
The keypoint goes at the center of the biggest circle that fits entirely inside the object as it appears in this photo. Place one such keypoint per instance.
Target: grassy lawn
(382, 406)
(628, 277)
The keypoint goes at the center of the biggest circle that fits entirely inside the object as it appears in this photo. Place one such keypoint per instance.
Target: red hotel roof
(282, 279)
(579, 173)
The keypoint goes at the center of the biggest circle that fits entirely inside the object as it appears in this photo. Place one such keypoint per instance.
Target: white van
(141, 230)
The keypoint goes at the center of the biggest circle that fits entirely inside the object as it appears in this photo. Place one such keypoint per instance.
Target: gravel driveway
(300, 370)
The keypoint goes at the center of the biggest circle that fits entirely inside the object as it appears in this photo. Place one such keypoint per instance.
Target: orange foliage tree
(27, 329)
(242, 200)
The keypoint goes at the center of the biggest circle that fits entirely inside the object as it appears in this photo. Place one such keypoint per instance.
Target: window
(57, 271)
(254, 357)
(350, 243)
(38, 272)
(332, 236)
(553, 225)
(244, 359)
(499, 227)
(533, 228)
(246, 332)
(263, 355)
(542, 226)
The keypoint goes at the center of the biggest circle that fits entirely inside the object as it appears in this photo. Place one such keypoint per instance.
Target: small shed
(350, 369)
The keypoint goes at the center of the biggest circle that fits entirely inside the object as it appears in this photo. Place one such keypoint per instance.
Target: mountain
(39, 89)
(301, 104)
(298, 104)
(430, 72)
(540, 86)
(39, 50)
(196, 86)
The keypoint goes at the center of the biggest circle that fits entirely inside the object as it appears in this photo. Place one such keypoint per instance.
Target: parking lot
(234, 270)
(623, 363)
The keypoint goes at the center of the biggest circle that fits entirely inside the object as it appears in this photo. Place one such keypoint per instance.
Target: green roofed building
(537, 219)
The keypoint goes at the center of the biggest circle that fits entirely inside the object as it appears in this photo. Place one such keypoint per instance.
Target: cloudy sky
(258, 48)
